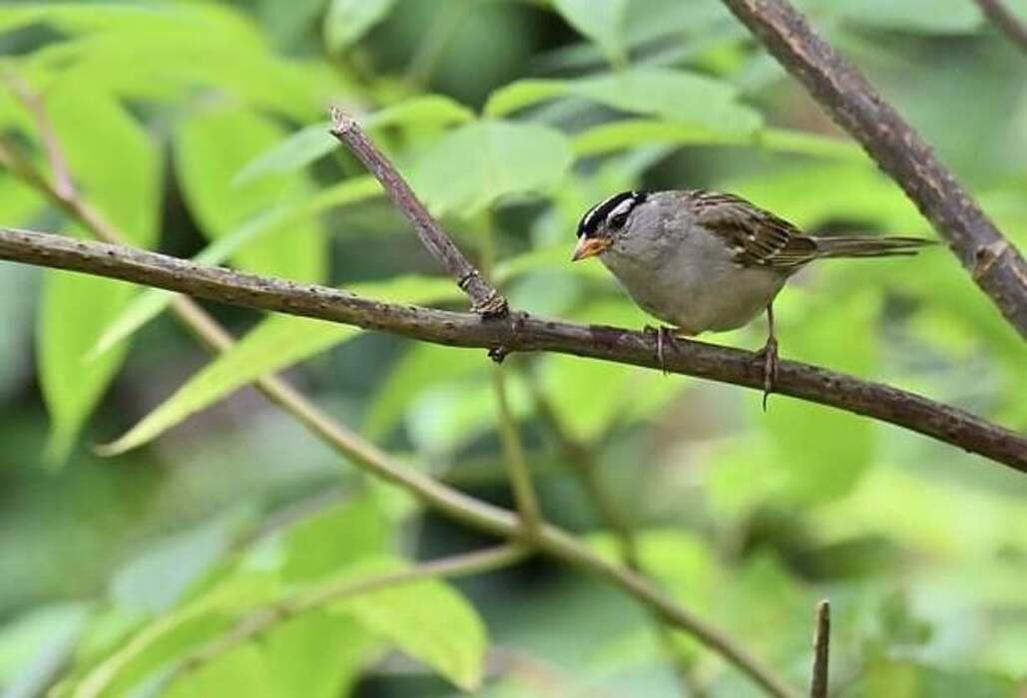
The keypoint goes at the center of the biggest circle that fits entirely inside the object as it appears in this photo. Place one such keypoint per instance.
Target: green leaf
(428, 620)
(316, 655)
(241, 671)
(33, 643)
(521, 94)
(75, 308)
(916, 16)
(815, 193)
(348, 20)
(473, 166)
(424, 110)
(171, 635)
(211, 147)
(899, 678)
(683, 562)
(570, 384)
(422, 367)
(73, 17)
(601, 21)
(635, 133)
(209, 45)
(332, 539)
(276, 343)
(314, 142)
(307, 145)
(816, 145)
(152, 302)
(675, 95)
(158, 578)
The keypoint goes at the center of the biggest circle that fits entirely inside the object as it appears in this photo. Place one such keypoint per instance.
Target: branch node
(985, 257)
(498, 354)
(485, 298)
(342, 123)
(494, 306)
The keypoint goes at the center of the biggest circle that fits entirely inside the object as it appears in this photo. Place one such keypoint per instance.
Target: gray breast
(684, 275)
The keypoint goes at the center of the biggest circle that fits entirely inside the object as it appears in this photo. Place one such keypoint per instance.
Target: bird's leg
(663, 334)
(769, 355)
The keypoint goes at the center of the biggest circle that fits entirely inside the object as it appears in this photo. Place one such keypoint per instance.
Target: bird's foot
(664, 336)
(768, 354)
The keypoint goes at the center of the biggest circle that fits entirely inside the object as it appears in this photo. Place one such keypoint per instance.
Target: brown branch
(453, 503)
(821, 651)
(446, 500)
(485, 298)
(1006, 22)
(519, 332)
(995, 265)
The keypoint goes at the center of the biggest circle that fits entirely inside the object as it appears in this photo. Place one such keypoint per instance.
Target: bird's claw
(663, 335)
(769, 356)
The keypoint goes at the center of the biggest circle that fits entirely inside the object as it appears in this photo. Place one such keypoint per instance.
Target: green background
(189, 123)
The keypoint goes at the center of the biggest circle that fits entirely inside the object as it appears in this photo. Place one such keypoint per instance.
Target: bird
(708, 261)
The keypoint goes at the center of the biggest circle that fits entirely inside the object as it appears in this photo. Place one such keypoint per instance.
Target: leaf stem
(517, 467)
(267, 618)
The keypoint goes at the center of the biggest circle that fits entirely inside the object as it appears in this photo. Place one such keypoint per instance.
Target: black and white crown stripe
(615, 207)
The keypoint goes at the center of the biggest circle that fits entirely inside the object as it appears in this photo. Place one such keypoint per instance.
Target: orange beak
(589, 247)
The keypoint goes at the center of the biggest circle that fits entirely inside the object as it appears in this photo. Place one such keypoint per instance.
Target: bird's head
(601, 225)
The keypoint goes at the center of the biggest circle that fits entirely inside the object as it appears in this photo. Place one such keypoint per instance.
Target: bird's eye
(617, 221)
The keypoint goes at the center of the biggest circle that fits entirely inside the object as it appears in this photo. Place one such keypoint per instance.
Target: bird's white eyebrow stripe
(623, 207)
(591, 220)
(602, 206)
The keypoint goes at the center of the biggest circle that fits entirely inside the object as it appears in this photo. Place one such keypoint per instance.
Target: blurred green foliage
(199, 128)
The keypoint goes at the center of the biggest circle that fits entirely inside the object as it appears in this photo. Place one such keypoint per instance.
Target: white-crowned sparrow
(702, 260)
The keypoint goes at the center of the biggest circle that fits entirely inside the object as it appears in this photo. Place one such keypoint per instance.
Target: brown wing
(757, 237)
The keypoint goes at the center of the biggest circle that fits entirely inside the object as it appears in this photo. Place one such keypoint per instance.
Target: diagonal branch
(995, 265)
(581, 460)
(519, 332)
(367, 456)
(1006, 22)
(517, 468)
(485, 298)
(267, 618)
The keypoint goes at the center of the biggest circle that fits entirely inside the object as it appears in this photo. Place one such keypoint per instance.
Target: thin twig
(451, 502)
(565, 547)
(486, 299)
(995, 265)
(1006, 22)
(821, 650)
(63, 185)
(519, 332)
(513, 456)
(584, 465)
(266, 619)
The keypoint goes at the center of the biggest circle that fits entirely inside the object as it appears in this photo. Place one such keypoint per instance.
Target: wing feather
(758, 237)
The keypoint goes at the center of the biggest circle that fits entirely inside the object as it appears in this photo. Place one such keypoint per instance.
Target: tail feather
(866, 246)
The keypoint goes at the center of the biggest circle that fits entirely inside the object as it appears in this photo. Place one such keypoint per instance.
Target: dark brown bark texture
(519, 332)
(995, 265)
